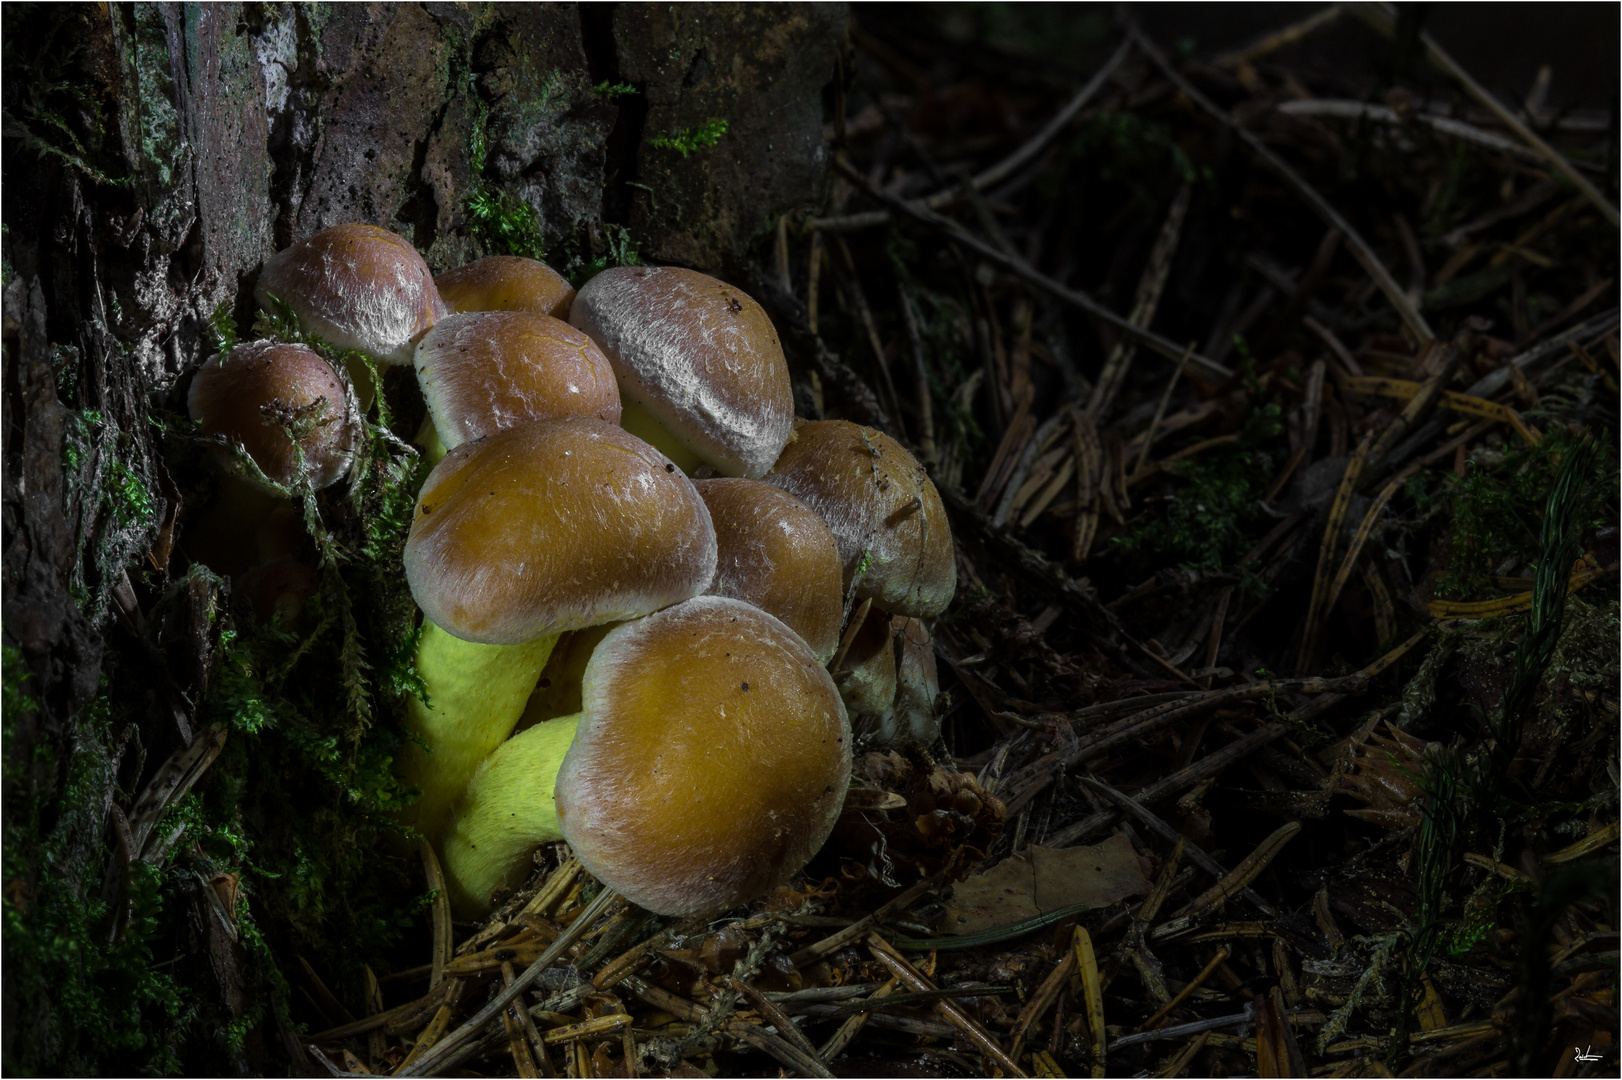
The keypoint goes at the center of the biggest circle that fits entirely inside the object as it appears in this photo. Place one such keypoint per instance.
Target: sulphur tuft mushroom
(700, 368)
(284, 406)
(354, 287)
(488, 370)
(774, 552)
(915, 714)
(552, 526)
(506, 283)
(708, 764)
(894, 539)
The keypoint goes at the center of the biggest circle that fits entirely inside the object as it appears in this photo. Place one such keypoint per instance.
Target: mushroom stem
(366, 384)
(645, 426)
(476, 695)
(428, 441)
(506, 812)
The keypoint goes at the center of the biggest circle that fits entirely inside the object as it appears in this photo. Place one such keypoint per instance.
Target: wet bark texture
(155, 154)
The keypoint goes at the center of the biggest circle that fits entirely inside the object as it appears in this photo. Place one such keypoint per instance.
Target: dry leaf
(1040, 880)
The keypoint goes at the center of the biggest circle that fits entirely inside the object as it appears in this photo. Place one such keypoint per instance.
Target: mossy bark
(155, 154)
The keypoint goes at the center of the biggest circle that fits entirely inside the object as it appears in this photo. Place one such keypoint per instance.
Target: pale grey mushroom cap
(484, 371)
(355, 287)
(699, 356)
(885, 513)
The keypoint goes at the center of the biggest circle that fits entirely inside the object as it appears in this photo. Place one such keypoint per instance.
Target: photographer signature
(1585, 1054)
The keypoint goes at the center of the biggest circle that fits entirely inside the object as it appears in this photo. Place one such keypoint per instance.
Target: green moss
(50, 108)
(223, 325)
(1205, 520)
(105, 474)
(504, 224)
(617, 249)
(1497, 508)
(610, 91)
(498, 220)
(297, 742)
(91, 1005)
(692, 140)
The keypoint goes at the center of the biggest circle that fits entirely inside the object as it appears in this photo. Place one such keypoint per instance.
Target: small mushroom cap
(551, 526)
(355, 287)
(699, 356)
(711, 760)
(774, 552)
(487, 370)
(506, 283)
(882, 508)
(264, 389)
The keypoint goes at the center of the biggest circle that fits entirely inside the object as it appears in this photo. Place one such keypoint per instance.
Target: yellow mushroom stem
(641, 423)
(476, 694)
(506, 812)
(428, 441)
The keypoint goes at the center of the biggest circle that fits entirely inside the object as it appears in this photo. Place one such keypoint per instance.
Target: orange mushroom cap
(555, 525)
(506, 283)
(487, 370)
(885, 513)
(262, 391)
(711, 759)
(774, 552)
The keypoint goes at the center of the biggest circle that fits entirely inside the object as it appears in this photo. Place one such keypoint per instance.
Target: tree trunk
(155, 155)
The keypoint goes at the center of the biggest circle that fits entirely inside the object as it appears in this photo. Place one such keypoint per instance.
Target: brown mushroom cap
(264, 389)
(883, 511)
(487, 370)
(551, 526)
(774, 552)
(355, 287)
(698, 356)
(506, 283)
(711, 759)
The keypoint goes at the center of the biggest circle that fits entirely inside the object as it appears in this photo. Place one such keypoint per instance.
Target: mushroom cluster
(627, 543)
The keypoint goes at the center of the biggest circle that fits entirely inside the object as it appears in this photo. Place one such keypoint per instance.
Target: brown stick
(1183, 994)
(441, 950)
(777, 1018)
(764, 1041)
(1208, 369)
(852, 1026)
(1003, 169)
(1045, 995)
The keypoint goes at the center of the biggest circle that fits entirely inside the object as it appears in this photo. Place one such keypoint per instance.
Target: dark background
(1501, 45)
